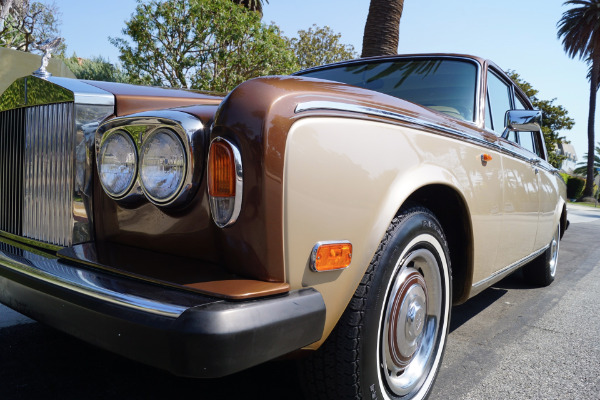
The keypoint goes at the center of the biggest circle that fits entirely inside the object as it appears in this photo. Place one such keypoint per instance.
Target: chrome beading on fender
(407, 119)
(140, 126)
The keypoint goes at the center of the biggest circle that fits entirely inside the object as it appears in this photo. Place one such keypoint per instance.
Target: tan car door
(520, 199)
(520, 205)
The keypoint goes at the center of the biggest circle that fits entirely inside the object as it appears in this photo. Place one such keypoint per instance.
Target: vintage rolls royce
(339, 212)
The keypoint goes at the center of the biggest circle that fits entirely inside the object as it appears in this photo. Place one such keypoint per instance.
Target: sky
(519, 35)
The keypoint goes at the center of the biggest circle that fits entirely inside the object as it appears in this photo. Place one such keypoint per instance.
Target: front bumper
(187, 333)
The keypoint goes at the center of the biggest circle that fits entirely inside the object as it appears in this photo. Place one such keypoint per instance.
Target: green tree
(201, 44)
(22, 24)
(95, 69)
(382, 29)
(318, 46)
(579, 28)
(555, 119)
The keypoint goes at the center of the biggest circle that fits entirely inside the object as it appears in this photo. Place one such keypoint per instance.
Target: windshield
(444, 85)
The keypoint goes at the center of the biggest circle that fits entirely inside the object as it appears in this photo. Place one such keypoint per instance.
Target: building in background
(570, 163)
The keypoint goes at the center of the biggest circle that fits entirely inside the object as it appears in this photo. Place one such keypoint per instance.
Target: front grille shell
(46, 148)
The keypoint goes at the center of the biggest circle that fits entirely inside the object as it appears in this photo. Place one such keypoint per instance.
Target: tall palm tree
(382, 29)
(254, 5)
(579, 29)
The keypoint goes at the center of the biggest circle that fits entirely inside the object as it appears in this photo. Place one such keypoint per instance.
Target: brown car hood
(130, 99)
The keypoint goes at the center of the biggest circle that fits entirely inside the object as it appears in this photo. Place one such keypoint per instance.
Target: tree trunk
(253, 5)
(382, 29)
(589, 182)
(4, 10)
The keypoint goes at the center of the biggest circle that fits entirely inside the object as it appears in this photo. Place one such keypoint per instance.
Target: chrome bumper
(186, 333)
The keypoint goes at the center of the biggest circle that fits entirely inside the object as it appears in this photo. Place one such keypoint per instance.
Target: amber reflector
(333, 256)
(221, 170)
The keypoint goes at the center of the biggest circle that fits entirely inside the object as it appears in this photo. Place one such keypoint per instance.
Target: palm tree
(254, 5)
(382, 29)
(595, 161)
(579, 29)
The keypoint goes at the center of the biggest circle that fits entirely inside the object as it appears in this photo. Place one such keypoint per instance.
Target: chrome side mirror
(522, 121)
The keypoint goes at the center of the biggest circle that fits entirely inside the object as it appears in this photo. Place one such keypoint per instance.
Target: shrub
(575, 187)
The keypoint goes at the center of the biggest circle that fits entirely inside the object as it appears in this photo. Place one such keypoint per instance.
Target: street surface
(510, 342)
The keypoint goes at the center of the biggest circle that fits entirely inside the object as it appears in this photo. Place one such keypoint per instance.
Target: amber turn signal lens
(221, 173)
(332, 256)
(486, 157)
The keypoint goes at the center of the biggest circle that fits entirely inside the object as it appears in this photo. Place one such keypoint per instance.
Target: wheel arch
(447, 204)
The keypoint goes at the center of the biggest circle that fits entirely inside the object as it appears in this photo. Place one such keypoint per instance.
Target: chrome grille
(37, 187)
(48, 173)
(12, 139)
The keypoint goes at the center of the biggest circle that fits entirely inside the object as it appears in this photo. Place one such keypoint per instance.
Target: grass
(587, 204)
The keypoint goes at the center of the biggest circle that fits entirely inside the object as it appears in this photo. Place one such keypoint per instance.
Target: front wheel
(390, 340)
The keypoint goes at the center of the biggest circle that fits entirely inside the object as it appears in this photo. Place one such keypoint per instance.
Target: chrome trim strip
(33, 91)
(498, 275)
(140, 126)
(86, 282)
(85, 93)
(30, 242)
(353, 108)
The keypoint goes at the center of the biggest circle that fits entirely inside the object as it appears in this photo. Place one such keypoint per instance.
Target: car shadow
(464, 312)
(39, 362)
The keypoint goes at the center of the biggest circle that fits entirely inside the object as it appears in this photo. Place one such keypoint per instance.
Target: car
(336, 214)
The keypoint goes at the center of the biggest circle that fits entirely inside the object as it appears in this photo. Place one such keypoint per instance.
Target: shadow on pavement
(59, 366)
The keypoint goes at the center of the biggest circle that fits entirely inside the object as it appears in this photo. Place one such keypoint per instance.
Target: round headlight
(117, 163)
(162, 165)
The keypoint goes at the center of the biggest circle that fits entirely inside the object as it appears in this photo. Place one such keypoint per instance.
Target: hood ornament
(47, 46)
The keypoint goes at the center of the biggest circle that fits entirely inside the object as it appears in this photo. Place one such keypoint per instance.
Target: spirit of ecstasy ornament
(47, 46)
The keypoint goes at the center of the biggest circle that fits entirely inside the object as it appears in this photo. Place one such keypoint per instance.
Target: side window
(528, 140)
(519, 105)
(512, 136)
(498, 102)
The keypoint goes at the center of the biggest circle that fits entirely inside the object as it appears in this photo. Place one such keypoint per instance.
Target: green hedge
(575, 187)
(565, 176)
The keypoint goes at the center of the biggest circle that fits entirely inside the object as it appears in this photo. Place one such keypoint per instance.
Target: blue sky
(515, 34)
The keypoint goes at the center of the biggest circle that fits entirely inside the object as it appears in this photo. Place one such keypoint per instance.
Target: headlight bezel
(185, 127)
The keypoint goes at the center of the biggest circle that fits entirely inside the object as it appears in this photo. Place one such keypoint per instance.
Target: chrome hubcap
(407, 318)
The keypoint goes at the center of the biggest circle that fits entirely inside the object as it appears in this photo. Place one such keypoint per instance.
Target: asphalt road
(510, 342)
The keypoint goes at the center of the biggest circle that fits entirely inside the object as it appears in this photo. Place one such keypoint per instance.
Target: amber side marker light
(486, 157)
(331, 256)
(225, 182)
(221, 177)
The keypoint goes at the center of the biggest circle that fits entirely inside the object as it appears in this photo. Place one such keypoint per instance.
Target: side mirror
(522, 121)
